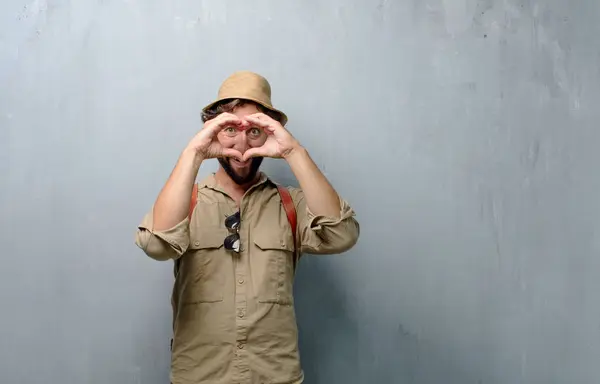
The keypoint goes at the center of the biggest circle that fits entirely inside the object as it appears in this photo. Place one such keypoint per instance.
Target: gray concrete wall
(464, 133)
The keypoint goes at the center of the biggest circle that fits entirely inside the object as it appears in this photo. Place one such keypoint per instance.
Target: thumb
(253, 152)
(230, 152)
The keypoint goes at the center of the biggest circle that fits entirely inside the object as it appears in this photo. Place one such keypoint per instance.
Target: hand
(206, 144)
(279, 144)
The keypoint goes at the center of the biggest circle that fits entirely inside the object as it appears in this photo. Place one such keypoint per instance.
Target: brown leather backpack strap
(290, 211)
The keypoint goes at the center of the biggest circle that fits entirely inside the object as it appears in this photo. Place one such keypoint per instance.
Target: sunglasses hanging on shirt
(232, 223)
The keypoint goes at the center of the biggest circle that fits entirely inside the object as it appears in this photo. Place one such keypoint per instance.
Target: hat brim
(284, 117)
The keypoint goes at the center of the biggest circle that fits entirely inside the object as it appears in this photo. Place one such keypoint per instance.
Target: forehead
(245, 110)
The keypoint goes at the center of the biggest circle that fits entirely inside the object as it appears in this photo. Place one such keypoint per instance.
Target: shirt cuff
(177, 238)
(318, 221)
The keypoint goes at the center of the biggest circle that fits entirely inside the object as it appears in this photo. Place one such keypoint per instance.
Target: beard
(238, 179)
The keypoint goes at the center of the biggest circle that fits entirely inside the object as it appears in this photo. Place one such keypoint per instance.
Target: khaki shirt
(233, 314)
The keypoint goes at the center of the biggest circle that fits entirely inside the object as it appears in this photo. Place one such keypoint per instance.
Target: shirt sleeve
(162, 245)
(323, 234)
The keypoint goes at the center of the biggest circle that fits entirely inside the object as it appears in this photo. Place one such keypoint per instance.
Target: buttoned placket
(242, 369)
(241, 304)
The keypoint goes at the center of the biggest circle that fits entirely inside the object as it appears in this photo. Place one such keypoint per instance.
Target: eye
(230, 130)
(254, 132)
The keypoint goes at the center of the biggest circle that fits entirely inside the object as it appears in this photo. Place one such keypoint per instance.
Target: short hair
(229, 105)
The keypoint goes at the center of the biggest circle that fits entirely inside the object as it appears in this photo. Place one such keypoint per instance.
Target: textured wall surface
(463, 132)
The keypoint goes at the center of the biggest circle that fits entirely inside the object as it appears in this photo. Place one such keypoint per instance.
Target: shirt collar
(211, 182)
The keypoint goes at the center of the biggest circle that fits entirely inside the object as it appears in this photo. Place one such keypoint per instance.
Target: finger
(262, 116)
(265, 125)
(257, 121)
(226, 116)
(229, 152)
(253, 152)
(223, 121)
(240, 125)
(230, 120)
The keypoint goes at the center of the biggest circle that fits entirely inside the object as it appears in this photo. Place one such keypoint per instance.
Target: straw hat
(249, 86)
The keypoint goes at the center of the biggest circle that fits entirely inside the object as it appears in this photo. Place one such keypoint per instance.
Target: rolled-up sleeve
(326, 235)
(162, 245)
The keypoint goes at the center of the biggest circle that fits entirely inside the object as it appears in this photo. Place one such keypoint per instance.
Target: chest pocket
(274, 252)
(203, 268)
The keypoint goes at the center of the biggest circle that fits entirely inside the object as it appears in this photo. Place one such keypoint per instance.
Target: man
(232, 239)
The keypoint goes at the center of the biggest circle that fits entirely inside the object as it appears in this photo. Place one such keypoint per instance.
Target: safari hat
(247, 85)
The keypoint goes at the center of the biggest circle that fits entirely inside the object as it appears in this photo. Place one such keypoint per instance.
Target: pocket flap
(211, 237)
(281, 240)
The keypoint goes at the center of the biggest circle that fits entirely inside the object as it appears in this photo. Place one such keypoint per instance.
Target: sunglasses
(232, 223)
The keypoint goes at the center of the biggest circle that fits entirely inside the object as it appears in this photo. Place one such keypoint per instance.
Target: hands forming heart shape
(279, 142)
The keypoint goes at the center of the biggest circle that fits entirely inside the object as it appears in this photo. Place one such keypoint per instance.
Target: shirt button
(282, 243)
(241, 314)
(196, 243)
(241, 280)
(240, 345)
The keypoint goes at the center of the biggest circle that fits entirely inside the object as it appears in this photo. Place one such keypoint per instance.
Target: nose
(241, 142)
